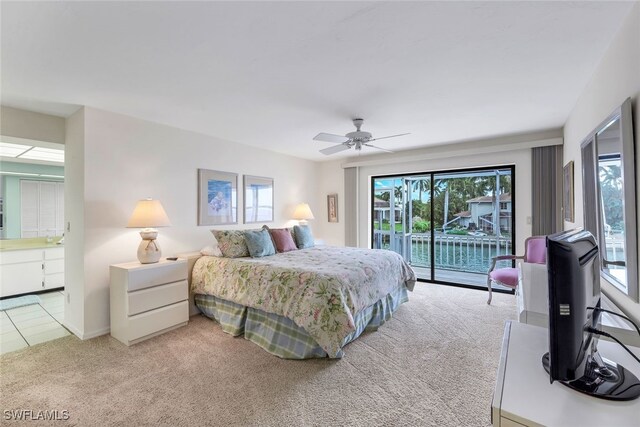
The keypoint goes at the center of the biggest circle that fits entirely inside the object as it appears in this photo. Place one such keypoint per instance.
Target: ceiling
(274, 74)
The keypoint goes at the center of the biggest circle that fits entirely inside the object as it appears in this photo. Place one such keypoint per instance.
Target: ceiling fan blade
(390, 136)
(373, 146)
(334, 149)
(329, 137)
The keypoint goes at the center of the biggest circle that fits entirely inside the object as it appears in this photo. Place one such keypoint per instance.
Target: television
(574, 301)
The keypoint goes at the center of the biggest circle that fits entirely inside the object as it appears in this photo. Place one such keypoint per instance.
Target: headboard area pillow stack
(259, 243)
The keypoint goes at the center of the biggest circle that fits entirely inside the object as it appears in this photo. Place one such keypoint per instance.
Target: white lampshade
(148, 213)
(303, 212)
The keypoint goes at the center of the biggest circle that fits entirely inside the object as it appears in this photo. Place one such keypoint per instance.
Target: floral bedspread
(321, 288)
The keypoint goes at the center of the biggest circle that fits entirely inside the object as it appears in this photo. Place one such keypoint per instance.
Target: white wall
(74, 215)
(331, 182)
(127, 159)
(616, 78)
(29, 125)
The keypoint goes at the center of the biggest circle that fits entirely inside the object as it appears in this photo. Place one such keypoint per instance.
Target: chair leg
(489, 287)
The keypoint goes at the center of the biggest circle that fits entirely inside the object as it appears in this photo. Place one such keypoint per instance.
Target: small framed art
(332, 207)
(258, 199)
(217, 197)
(567, 199)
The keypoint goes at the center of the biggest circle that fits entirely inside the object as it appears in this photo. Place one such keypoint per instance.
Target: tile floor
(33, 324)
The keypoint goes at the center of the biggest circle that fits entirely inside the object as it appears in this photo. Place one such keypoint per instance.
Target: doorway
(32, 278)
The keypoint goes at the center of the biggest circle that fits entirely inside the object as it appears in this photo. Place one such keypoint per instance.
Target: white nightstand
(148, 299)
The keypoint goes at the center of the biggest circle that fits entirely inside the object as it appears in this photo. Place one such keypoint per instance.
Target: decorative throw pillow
(231, 243)
(282, 239)
(304, 238)
(259, 243)
(211, 251)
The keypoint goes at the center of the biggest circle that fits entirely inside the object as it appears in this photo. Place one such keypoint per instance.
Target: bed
(305, 303)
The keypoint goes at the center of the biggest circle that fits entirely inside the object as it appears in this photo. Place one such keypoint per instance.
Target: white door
(47, 209)
(59, 209)
(29, 208)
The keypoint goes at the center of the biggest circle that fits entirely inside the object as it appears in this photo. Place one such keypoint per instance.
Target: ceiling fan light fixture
(355, 139)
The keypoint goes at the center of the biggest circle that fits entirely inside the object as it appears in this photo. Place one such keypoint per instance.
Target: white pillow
(211, 251)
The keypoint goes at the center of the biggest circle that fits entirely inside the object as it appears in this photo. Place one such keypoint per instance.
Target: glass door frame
(431, 175)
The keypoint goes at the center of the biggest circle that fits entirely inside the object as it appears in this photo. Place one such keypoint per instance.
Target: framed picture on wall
(217, 197)
(332, 207)
(258, 199)
(567, 194)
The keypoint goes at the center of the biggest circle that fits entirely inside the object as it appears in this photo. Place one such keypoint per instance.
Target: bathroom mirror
(31, 189)
(608, 168)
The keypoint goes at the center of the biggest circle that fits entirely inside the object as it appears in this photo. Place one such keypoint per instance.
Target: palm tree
(611, 176)
(421, 185)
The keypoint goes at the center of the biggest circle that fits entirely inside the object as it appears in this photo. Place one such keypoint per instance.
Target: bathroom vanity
(30, 265)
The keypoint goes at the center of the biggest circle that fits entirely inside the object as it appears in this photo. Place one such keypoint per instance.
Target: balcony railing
(452, 252)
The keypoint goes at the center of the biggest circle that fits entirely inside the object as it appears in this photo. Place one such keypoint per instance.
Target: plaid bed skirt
(281, 336)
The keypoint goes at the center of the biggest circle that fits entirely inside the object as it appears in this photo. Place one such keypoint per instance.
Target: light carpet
(433, 364)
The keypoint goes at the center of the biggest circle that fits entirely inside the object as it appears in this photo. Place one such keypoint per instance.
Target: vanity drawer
(20, 278)
(54, 280)
(154, 321)
(54, 253)
(54, 266)
(158, 296)
(19, 256)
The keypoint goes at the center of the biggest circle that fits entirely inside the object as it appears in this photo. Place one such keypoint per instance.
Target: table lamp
(303, 213)
(147, 215)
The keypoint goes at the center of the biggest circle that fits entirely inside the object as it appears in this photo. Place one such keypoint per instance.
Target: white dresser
(148, 299)
(524, 396)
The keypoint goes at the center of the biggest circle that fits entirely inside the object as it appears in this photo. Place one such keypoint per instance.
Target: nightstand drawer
(158, 296)
(154, 321)
(156, 274)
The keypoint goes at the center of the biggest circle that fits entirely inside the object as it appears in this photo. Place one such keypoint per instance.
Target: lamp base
(149, 251)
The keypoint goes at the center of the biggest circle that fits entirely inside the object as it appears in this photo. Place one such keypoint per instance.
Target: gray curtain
(546, 190)
(351, 207)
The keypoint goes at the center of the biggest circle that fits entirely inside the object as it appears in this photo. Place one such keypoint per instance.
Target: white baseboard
(99, 332)
(73, 329)
(87, 335)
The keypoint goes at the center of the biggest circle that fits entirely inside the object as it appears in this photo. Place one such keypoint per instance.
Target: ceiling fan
(357, 140)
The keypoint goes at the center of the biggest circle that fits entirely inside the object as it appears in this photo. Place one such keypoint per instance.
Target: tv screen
(574, 319)
(574, 285)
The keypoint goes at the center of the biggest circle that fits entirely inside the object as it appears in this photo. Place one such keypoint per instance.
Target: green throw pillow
(232, 243)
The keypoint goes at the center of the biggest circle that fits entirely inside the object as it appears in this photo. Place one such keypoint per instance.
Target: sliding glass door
(390, 213)
(447, 225)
